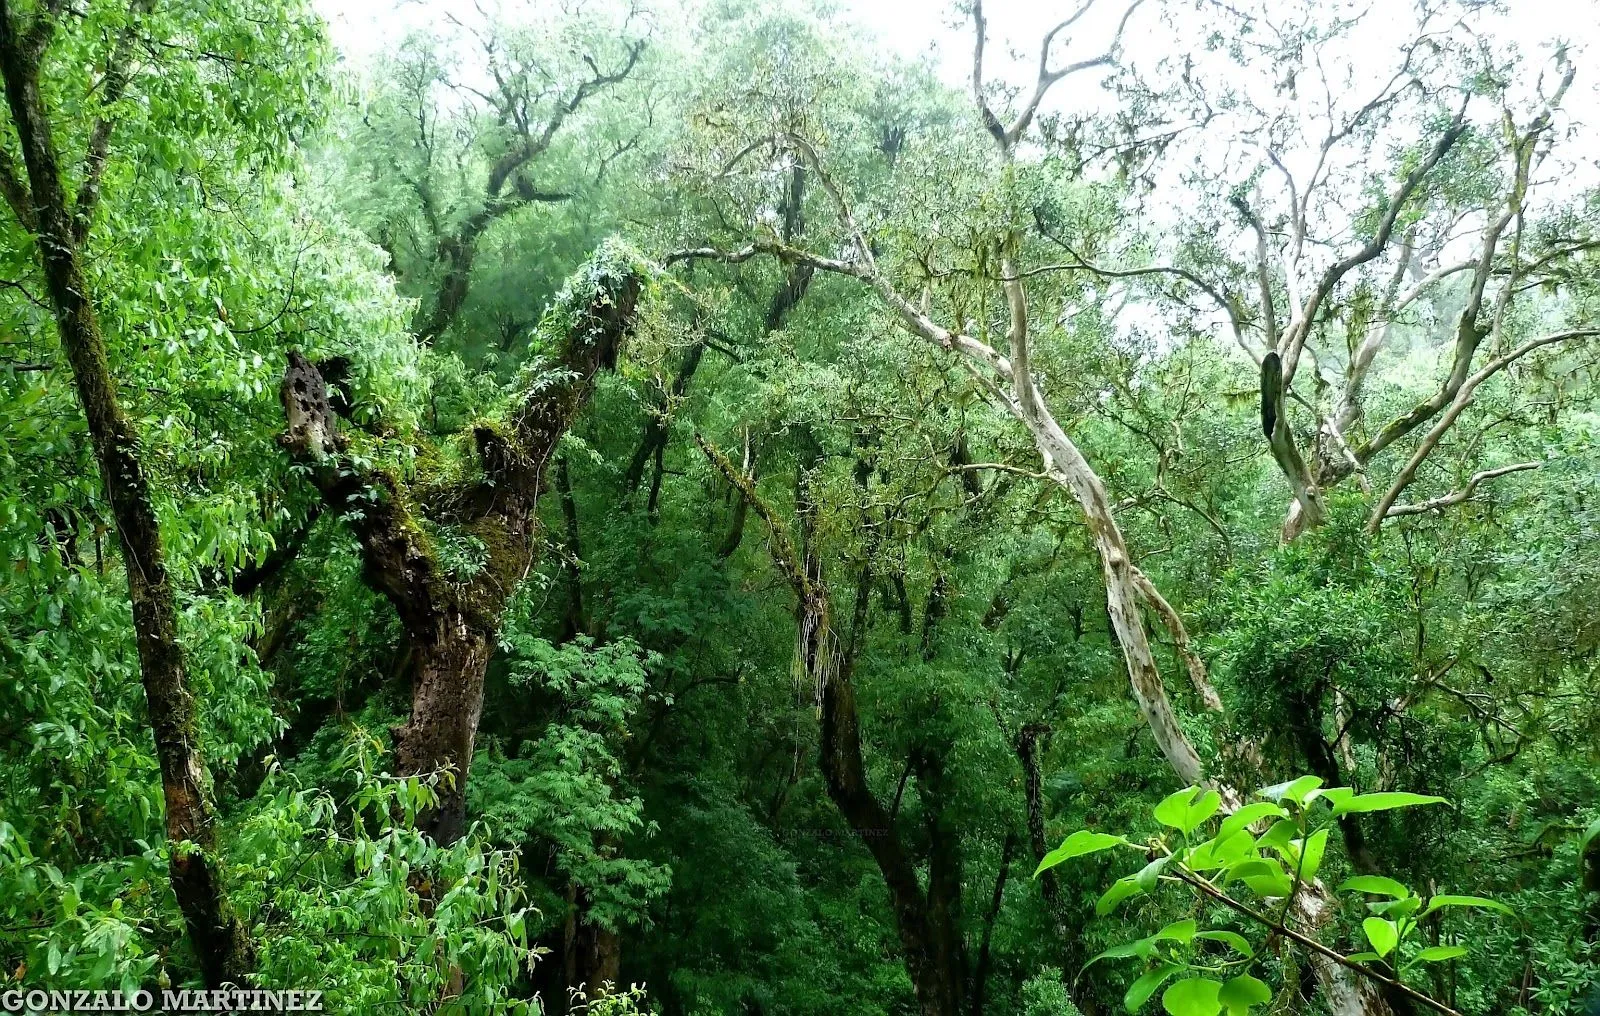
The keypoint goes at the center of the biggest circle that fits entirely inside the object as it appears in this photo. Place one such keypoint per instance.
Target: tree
(450, 586)
(1444, 177)
(449, 153)
(33, 48)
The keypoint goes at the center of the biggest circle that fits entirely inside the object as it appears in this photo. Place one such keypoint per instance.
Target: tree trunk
(446, 704)
(927, 936)
(451, 622)
(1027, 745)
(926, 923)
(980, 973)
(195, 870)
(599, 966)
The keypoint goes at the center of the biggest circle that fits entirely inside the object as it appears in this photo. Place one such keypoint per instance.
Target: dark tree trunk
(1027, 745)
(218, 939)
(927, 934)
(572, 619)
(926, 923)
(446, 704)
(451, 622)
(656, 428)
(980, 973)
(1324, 764)
(599, 959)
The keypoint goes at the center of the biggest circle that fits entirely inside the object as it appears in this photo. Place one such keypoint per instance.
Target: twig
(1308, 942)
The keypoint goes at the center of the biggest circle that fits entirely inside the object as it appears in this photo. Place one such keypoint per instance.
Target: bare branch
(1457, 497)
(1180, 641)
(1458, 405)
(1219, 297)
(1295, 335)
(1007, 137)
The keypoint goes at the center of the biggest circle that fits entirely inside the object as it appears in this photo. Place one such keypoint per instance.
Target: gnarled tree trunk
(451, 622)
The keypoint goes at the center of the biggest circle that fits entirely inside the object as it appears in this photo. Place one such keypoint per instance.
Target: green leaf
(1334, 795)
(1383, 935)
(1077, 845)
(1394, 909)
(1311, 858)
(1234, 848)
(1139, 991)
(1588, 837)
(1232, 939)
(1120, 890)
(1280, 835)
(1242, 992)
(1247, 816)
(1440, 953)
(1187, 809)
(1267, 886)
(1294, 790)
(1220, 853)
(1150, 873)
(1195, 996)
(1478, 902)
(1144, 948)
(1375, 884)
(1178, 931)
(1173, 808)
(1255, 868)
(1361, 804)
(1202, 810)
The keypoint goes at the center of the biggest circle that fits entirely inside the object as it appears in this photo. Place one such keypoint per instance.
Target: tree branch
(1458, 405)
(1278, 927)
(1456, 497)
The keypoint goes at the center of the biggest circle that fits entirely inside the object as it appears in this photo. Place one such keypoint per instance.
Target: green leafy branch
(1271, 847)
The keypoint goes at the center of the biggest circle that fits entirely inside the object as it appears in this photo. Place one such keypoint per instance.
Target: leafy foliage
(1392, 593)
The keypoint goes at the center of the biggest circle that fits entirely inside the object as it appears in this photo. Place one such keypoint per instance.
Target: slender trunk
(928, 937)
(926, 943)
(657, 428)
(456, 253)
(572, 621)
(980, 973)
(195, 869)
(1027, 745)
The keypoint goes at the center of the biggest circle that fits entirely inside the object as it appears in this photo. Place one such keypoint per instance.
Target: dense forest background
(683, 496)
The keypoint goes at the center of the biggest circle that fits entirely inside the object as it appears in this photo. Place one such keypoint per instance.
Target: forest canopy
(716, 507)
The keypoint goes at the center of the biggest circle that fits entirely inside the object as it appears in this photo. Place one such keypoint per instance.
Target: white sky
(364, 28)
(1356, 70)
